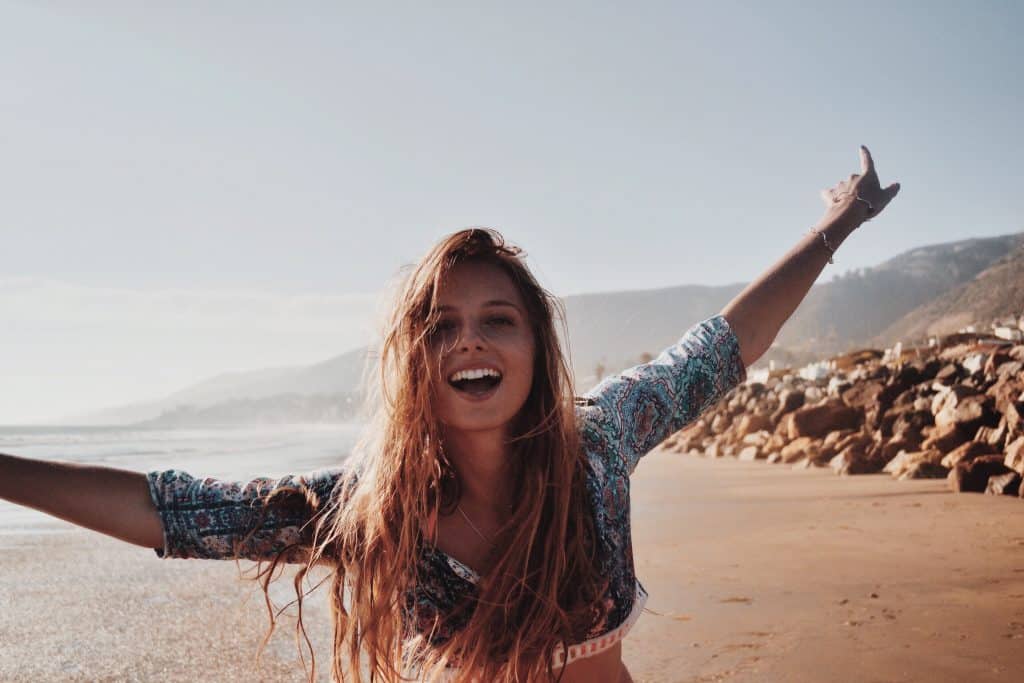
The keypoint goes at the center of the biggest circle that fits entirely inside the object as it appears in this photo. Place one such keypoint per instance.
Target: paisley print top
(620, 420)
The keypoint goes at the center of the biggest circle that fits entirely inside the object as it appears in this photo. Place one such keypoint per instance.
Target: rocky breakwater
(955, 411)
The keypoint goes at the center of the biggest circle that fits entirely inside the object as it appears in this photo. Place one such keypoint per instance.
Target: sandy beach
(755, 572)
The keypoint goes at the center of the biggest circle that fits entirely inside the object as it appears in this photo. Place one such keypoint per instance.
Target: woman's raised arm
(112, 501)
(758, 312)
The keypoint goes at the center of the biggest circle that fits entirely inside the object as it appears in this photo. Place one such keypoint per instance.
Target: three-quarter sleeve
(212, 518)
(640, 407)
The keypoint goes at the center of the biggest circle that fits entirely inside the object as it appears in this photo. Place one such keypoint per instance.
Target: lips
(478, 382)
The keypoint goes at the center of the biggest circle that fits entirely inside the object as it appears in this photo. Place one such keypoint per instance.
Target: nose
(471, 339)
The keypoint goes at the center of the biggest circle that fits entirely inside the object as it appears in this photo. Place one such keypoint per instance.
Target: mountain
(936, 287)
(340, 375)
(996, 292)
(858, 307)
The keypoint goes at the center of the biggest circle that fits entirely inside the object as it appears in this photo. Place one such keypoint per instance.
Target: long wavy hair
(543, 590)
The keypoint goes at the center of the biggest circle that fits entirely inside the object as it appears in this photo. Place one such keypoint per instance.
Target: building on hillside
(1014, 334)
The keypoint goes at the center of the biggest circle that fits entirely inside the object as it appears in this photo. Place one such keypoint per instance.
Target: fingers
(867, 164)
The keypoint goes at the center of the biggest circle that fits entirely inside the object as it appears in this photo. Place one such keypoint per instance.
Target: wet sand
(759, 573)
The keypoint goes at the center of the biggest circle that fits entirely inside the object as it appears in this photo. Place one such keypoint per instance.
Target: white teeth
(475, 373)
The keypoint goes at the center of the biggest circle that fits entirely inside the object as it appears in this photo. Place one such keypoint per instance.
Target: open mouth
(477, 382)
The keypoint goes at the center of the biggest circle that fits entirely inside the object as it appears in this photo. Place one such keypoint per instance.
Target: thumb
(892, 191)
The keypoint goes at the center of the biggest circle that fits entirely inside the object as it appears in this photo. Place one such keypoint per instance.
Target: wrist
(837, 227)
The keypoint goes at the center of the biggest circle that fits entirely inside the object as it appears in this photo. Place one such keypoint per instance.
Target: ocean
(226, 453)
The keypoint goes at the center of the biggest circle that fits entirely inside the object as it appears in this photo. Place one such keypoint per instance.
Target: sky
(197, 188)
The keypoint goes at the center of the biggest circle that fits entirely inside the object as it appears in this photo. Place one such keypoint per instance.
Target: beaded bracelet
(831, 251)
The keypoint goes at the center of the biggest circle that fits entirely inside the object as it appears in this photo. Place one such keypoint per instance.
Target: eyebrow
(492, 302)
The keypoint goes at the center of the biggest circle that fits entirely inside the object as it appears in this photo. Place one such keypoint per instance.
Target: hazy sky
(190, 190)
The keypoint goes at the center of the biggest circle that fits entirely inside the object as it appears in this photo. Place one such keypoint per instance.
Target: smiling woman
(482, 533)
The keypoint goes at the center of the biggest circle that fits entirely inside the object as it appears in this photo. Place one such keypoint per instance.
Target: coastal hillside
(867, 307)
(995, 293)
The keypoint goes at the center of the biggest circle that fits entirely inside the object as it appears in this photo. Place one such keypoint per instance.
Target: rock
(950, 396)
(945, 439)
(974, 362)
(1011, 369)
(854, 459)
(803, 447)
(969, 412)
(1007, 484)
(789, 400)
(916, 465)
(720, 422)
(993, 436)
(1014, 414)
(749, 453)
(997, 358)
(966, 452)
(773, 458)
(1006, 390)
(909, 441)
(863, 394)
(1014, 458)
(973, 475)
(915, 420)
(830, 445)
(818, 420)
(948, 374)
(758, 439)
(752, 423)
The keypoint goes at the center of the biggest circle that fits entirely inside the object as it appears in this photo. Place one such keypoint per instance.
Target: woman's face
(486, 348)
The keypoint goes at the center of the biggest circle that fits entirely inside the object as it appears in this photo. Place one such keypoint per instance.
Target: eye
(500, 320)
(441, 327)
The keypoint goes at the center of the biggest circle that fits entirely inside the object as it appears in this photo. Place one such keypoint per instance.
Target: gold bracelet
(831, 251)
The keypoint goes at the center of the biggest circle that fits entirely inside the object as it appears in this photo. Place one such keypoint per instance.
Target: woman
(482, 530)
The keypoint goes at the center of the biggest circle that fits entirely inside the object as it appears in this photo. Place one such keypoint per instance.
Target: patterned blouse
(620, 420)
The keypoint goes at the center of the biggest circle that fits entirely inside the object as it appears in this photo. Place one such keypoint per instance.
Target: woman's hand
(860, 197)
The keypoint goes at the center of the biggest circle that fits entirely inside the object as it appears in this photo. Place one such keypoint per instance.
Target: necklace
(473, 526)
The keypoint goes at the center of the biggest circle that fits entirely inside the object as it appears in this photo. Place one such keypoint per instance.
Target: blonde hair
(543, 590)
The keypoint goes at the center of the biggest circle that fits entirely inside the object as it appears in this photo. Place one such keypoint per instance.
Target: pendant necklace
(473, 526)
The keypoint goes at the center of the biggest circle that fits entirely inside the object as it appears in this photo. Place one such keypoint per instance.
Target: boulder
(758, 439)
(966, 452)
(1007, 484)
(1006, 390)
(749, 453)
(914, 419)
(830, 444)
(1014, 414)
(855, 459)
(974, 475)
(916, 465)
(798, 449)
(1014, 458)
(945, 439)
(789, 400)
(950, 396)
(750, 423)
(998, 358)
(993, 436)
(892, 447)
(948, 374)
(969, 412)
(818, 420)
(863, 394)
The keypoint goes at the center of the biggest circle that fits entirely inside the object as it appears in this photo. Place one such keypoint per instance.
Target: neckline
(461, 569)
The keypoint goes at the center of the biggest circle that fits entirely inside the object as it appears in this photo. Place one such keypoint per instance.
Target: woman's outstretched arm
(758, 312)
(112, 501)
